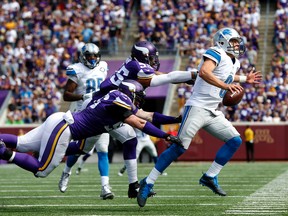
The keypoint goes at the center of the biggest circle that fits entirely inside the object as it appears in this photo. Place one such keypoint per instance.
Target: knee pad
(102, 143)
(123, 133)
(179, 150)
(235, 142)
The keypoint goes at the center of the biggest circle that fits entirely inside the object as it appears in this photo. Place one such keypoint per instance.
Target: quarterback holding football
(217, 74)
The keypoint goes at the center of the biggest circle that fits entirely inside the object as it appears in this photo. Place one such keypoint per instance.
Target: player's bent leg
(127, 136)
(82, 146)
(225, 153)
(23, 160)
(103, 165)
(102, 144)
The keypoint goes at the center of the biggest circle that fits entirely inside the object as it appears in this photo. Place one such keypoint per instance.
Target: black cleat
(134, 189)
(212, 183)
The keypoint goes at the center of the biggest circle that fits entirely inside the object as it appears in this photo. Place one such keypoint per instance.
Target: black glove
(174, 139)
(179, 118)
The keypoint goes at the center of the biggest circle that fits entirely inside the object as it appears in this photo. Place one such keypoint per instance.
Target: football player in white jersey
(85, 78)
(217, 74)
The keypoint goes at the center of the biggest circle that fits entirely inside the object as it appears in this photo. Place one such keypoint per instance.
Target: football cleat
(63, 183)
(78, 171)
(144, 191)
(134, 189)
(212, 183)
(121, 171)
(106, 193)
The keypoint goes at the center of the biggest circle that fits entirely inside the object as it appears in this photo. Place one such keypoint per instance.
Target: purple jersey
(130, 69)
(102, 115)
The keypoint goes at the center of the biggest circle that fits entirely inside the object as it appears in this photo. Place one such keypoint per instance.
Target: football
(232, 99)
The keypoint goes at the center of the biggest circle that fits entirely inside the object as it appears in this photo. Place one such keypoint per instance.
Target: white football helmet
(222, 39)
(87, 50)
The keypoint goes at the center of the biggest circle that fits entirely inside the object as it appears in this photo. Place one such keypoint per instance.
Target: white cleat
(106, 193)
(63, 183)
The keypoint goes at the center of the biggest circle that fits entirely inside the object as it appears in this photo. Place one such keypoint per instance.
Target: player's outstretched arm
(158, 118)
(150, 129)
(173, 77)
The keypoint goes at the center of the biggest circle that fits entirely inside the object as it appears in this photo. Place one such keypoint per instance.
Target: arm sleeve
(159, 118)
(152, 130)
(172, 77)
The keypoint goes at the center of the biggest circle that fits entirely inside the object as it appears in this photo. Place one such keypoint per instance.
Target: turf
(258, 188)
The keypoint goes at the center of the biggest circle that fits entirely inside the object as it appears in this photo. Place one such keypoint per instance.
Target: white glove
(87, 96)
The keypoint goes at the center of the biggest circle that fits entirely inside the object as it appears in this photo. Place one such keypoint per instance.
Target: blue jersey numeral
(93, 85)
(227, 81)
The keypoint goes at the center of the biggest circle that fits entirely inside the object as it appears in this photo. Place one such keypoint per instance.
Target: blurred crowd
(39, 39)
(266, 102)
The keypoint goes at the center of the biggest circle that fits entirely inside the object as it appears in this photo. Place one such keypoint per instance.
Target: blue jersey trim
(214, 54)
(70, 71)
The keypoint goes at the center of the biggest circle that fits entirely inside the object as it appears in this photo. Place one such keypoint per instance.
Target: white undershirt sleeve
(172, 77)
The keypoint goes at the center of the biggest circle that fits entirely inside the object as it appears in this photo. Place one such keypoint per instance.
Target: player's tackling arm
(173, 77)
(158, 118)
(150, 129)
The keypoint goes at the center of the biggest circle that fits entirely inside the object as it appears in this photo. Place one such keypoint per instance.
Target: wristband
(152, 130)
(159, 118)
(242, 79)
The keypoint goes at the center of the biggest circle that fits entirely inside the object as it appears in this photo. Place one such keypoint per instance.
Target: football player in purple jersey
(51, 140)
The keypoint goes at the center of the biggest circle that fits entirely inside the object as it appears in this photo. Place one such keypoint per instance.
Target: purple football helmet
(134, 90)
(146, 52)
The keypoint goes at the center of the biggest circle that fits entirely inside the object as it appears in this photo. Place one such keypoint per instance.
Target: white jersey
(209, 96)
(144, 141)
(88, 80)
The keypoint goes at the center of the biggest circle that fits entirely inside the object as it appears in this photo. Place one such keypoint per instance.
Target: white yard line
(271, 199)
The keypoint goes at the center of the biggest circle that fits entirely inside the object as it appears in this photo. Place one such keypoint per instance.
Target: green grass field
(259, 188)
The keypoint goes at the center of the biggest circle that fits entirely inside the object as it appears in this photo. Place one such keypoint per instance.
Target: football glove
(87, 96)
(174, 139)
(179, 118)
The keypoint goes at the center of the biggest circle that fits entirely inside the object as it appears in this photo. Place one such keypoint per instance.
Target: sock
(226, 152)
(71, 160)
(103, 163)
(86, 156)
(168, 156)
(26, 161)
(214, 169)
(155, 159)
(131, 166)
(73, 148)
(10, 140)
(152, 177)
(104, 180)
